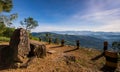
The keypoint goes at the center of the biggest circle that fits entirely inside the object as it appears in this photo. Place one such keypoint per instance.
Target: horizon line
(79, 31)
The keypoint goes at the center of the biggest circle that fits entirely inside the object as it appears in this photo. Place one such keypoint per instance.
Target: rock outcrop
(20, 44)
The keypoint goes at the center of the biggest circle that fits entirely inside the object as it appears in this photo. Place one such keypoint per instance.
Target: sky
(70, 15)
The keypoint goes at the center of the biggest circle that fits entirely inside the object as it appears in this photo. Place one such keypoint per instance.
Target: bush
(8, 32)
(2, 28)
(4, 39)
(116, 46)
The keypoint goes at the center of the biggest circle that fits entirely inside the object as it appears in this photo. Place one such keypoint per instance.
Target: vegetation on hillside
(4, 39)
(116, 46)
(6, 20)
(6, 34)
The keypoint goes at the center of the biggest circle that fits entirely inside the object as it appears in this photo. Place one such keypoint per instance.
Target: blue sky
(68, 15)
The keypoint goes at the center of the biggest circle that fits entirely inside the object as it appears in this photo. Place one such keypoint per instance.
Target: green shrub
(4, 39)
(34, 38)
(116, 46)
(8, 32)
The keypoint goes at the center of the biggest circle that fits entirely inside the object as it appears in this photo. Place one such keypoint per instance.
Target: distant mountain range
(106, 36)
(87, 39)
(86, 33)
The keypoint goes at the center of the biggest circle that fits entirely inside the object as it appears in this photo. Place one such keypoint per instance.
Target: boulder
(40, 51)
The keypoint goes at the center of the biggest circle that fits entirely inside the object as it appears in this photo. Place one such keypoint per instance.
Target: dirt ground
(65, 59)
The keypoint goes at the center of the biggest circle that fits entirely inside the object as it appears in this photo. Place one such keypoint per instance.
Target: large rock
(20, 44)
(38, 50)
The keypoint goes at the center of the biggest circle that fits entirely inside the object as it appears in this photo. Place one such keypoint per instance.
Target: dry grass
(57, 62)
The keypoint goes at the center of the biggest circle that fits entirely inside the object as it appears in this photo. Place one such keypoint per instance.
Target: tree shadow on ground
(104, 68)
(56, 47)
(98, 56)
(70, 50)
(13, 66)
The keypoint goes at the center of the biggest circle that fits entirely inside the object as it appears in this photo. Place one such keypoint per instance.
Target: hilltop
(65, 59)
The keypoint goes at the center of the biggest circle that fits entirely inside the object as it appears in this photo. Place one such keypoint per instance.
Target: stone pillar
(50, 40)
(62, 42)
(105, 46)
(77, 44)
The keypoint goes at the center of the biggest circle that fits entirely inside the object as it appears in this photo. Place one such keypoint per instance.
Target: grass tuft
(4, 39)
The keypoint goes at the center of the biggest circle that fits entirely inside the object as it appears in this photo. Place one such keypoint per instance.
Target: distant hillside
(86, 33)
(85, 41)
(106, 36)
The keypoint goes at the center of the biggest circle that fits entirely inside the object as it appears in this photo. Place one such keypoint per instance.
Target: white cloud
(112, 26)
(99, 5)
(106, 15)
(106, 20)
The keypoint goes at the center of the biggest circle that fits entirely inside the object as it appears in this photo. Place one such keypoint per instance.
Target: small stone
(51, 51)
